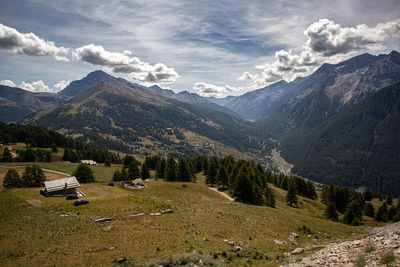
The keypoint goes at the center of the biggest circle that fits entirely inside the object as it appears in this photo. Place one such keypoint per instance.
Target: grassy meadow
(52, 232)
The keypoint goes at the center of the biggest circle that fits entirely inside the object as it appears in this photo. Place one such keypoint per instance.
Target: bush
(360, 262)
(388, 258)
(12, 179)
(84, 174)
(369, 249)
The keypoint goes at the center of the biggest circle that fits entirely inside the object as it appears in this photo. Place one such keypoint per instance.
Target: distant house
(61, 187)
(88, 161)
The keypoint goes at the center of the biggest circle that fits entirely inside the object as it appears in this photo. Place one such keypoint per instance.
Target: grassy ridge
(34, 233)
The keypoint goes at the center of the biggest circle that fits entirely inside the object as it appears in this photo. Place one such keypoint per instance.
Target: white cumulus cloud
(37, 86)
(125, 63)
(7, 83)
(27, 43)
(328, 38)
(327, 41)
(206, 89)
(61, 85)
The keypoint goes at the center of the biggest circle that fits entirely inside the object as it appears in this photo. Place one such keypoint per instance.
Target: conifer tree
(145, 173)
(369, 210)
(133, 171)
(6, 157)
(381, 214)
(160, 168)
(271, 199)
(211, 173)
(284, 183)
(243, 190)
(12, 179)
(170, 169)
(349, 216)
(291, 198)
(33, 176)
(183, 173)
(84, 174)
(330, 212)
(117, 176)
(222, 177)
(391, 212)
(124, 174)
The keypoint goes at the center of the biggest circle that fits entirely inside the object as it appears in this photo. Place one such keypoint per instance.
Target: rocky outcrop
(370, 250)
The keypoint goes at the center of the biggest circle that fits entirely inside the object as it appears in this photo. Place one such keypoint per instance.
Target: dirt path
(225, 195)
(47, 170)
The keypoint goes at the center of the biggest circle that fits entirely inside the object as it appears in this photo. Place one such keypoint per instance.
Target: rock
(293, 236)
(381, 239)
(155, 214)
(279, 242)
(167, 211)
(135, 184)
(237, 248)
(121, 260)
(98, 220)
(137, 215)
(111, 248)
(297, 251)
(232, 243)
(107, 228)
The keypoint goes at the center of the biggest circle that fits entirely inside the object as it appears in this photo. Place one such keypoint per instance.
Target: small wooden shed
(62, 187)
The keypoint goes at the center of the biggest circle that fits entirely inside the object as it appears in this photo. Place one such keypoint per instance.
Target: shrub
(369, 249)
(388, 258)
(360, 262)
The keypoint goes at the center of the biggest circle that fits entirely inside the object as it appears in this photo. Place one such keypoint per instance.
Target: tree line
(41, 137)
(247, 181)
(353, 205)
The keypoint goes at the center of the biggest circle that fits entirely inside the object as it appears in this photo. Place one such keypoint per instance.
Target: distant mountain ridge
(17, 103)
(121, 117)
(358, 147)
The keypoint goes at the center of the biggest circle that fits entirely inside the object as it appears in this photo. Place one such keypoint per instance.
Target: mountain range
(328, 124)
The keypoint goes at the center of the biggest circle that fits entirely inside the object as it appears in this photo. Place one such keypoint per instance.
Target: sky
(213, 48)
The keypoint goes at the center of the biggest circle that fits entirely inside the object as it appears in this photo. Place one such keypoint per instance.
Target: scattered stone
(232, 243)
(107, 228)
(297, 251)
(237, 248)
(111, 248)
(137, 215)
(155, 214)
(121, 260)
(135, 184)
(293, 236)
(381, 240)
(167, 211)
(279, 242)
(99, 220)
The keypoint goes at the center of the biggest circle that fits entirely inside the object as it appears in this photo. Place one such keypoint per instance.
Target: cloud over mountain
(326, 41)
(37, 86)
(7, 83)
(205, 89)
(28, 44)
(125, 63)
(328, 38)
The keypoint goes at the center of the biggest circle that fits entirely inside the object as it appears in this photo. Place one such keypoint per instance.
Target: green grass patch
(388, 258)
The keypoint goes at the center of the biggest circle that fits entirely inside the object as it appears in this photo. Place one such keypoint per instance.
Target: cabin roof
(61, 184)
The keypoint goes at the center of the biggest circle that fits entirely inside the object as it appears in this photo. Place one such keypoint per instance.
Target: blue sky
(214, 48)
